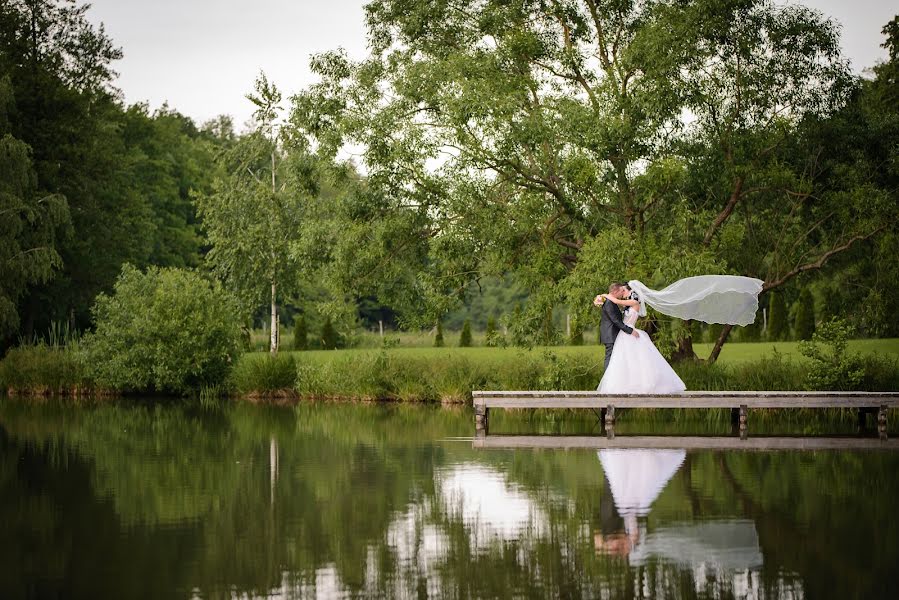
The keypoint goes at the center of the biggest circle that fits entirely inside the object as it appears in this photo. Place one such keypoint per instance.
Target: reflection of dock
(685, 442)
(739, 403)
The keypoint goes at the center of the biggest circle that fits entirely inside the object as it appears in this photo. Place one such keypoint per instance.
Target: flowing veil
(724, 299)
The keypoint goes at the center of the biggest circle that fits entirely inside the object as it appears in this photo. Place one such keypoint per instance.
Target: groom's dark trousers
(610, 324)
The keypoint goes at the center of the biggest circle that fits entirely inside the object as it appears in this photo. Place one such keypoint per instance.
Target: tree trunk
(719, 343)
(273, 347)
(684, 350)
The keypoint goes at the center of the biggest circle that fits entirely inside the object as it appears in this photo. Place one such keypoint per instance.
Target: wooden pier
(739, 403)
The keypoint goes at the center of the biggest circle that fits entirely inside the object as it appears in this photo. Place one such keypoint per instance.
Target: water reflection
(493, 508)
(634, 479)
(361, 501)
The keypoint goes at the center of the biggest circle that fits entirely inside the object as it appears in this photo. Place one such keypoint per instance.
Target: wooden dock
(739, 403)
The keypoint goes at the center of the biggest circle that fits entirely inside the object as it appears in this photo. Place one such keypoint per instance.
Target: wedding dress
(637, 367)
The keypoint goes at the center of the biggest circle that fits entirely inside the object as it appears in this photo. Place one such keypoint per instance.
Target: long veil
(724, 299)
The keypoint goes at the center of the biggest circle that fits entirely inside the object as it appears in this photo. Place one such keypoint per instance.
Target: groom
(610, 322)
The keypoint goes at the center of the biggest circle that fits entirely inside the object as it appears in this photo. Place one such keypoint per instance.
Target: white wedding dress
(637, 366)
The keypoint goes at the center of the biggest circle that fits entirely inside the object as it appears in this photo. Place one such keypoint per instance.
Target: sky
(202, 56)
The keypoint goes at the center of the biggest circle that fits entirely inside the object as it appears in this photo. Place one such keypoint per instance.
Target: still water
(180, 501)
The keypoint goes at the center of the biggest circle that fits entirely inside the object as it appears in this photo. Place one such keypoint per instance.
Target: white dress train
(637, 366)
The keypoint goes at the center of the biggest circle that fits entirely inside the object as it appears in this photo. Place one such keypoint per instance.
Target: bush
(777, 317)
(166, 330)
(300, 334)
(44, 369)
(805, 316)
(266, 375)
(492, 337)
(465, 337)
(832, 367)
(329, 340)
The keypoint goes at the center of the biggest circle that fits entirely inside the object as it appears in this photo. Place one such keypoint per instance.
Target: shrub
(264, 375)
(777, 317)
(465, 337)
(832, 367)
(805, 316)
(329, 340)
(44, 369)
(165, 330)
(492, 337)
(300, 334)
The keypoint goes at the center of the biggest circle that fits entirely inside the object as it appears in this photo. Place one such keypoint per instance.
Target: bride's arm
(621, 302)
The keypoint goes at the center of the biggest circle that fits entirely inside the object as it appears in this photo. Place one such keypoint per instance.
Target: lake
(178, 500)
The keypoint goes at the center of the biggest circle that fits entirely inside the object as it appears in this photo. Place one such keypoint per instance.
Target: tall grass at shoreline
(446, 375)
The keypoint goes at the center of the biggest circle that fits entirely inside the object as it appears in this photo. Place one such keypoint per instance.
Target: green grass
(450, 374)
(734, 353)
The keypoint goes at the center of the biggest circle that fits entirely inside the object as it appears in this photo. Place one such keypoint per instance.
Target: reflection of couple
(634, 478)
(633, 365)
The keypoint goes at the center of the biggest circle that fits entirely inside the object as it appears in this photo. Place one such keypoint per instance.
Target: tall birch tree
(256, 209)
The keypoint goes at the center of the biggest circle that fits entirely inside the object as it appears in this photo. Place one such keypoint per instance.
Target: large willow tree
(577, 142)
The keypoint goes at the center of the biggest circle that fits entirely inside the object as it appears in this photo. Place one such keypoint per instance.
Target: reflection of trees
(177, 499)
(842, 542)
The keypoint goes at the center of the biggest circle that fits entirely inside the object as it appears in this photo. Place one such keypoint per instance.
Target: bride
(636, 365)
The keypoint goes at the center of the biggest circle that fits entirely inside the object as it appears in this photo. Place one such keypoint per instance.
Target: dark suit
(610, 324)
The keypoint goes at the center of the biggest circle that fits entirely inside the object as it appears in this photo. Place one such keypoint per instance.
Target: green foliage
(31, 225)
(465, 336)
(167, 330)
(577, 333)
(438, 337)
(549, 335)
(833, 368)
(329, 338)
(264, 376)
(42, 369)
(777, 316)
(567, 172)
(300, 334)
(491, 335)
(257, 207)
(805, 316)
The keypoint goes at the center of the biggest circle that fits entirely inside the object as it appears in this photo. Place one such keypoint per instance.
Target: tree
(257, 208)
(165, 330)
(805, 316)
(438, 337)
(490, 335)
(329, 338)
(777, 317)
(30, 224)
(300, 334)
(548, 333)
(465, 336)
(577, 334)
(564, 157)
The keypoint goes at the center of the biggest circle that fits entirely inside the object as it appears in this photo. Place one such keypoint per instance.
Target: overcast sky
(202, 56)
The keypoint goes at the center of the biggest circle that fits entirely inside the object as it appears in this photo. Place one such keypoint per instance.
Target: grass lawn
(732, 353)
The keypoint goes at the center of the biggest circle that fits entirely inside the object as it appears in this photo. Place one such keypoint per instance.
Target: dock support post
(610, 416)
(743, 416)
(882, 422)
(481, 417)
